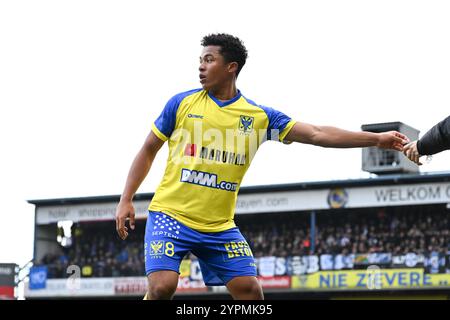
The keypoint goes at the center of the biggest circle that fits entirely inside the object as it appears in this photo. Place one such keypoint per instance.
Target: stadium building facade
(387, 235)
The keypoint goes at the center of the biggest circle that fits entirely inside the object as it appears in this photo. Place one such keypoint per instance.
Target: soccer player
(436, 140)
(213, 133)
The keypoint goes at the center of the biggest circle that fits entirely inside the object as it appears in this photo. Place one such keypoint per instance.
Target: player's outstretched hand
(411, 152)
(392, 140)
(124, 210)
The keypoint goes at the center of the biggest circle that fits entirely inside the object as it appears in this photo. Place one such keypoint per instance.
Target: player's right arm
(138, 171)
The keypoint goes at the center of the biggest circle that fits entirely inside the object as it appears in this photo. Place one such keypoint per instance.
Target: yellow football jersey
(211, 145)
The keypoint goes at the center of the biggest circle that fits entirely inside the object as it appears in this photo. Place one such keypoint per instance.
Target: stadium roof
(376, 181)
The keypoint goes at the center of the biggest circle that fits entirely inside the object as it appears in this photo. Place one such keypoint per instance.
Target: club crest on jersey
(156, 248)
(246, 124)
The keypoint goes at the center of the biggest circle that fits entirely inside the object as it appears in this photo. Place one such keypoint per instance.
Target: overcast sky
(82, 81)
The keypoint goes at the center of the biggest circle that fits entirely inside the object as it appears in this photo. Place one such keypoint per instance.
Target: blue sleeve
(279, 124)
(165, 123)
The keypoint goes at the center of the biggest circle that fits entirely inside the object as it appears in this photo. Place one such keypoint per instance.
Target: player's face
(214, 71)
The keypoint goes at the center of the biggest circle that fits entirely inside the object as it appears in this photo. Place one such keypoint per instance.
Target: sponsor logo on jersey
(237, 249)
(197, 116)
(206, 179)
(216, 155)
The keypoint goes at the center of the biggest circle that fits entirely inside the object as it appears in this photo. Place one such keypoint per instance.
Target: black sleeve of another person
(437, 139)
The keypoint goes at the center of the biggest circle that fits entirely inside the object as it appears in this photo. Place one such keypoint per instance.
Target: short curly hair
(232, 48)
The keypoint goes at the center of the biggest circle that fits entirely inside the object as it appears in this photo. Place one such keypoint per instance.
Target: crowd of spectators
(397, 231)
(99, 252)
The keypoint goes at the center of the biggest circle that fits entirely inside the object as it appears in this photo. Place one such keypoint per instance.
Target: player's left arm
(332, 137)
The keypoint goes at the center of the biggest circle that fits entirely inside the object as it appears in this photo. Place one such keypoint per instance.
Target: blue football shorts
(222, 255)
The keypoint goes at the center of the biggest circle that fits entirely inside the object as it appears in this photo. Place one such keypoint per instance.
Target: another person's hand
(124, 210)
(392, 140)
(411, 152)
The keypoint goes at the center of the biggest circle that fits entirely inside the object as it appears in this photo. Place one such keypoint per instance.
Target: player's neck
(225, 93)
